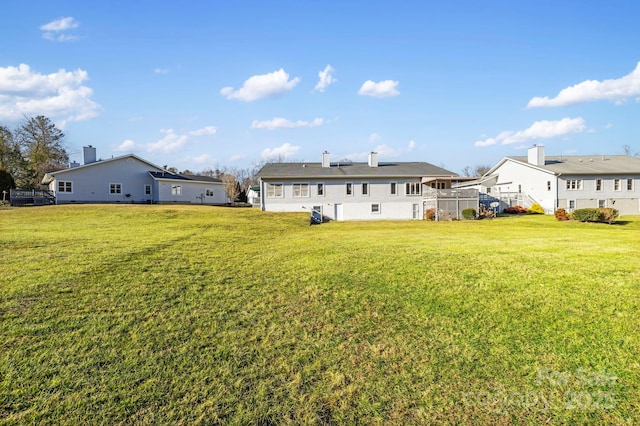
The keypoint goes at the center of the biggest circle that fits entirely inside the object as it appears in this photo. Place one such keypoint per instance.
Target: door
(416, 211)
(339, 215)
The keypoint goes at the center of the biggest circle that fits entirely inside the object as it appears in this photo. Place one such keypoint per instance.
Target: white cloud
(286, 150)
(283, 123)
(171, 142)
(411, 146)
(56, 30)
(384, 151)
(207, 130)
(202, 159)
(60, 95)
(136, 118)
(374, 137)
(237, 157)
(325, 78)
(615, 90)
(543, 129)
(127, 146)
(382, 89)
(261, 86)
(161, 71)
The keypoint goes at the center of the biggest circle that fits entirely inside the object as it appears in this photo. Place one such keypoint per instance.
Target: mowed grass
(200, 315)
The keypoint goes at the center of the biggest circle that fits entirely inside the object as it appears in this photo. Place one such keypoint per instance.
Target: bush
(605, 215)
(469, 213)
(536, 209)
(430, 214)
(515, 210)
(561, 214)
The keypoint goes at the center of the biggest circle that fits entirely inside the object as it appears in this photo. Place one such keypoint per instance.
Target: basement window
(375, 208)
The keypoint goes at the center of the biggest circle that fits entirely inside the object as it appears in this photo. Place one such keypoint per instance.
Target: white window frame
(569, 202)
(617, 184)
(602, 203)
(365, 189)
(176, 190)
(275, 190)
(65, 186)
(208, 192)
(574, 184)
(410, 188)
(630, 184)
(115, 188)
(300, 190)
(376, 208)
(348, 189)
(320, 189)
(147, 189)
(393, 188)
(599, 186)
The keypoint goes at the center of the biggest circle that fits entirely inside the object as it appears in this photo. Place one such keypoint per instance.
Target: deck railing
(37, 197)
(450, 193)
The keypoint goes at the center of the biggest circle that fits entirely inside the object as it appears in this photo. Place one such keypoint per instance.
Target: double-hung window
(348, 188)
(412, 188)
(598, 184)
(365, 188)
(176, 189)
(300, 189)
(393, 188)
(629, 184)
(617, 185)
(320, 187)
(274, 190)
(574, 184)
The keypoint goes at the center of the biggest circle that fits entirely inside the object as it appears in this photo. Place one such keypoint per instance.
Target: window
(598, 184)
(321, 189)
(147, 190)
(616, 185)
(349, 188)
(629, 184)
(208, 192)
(519, 189)
(115, 188)
(274, 190)
(300, 189)
(412, 188)
(602, 203)
(574, 184)
(394, 188)
(438, 185)
(375, 208)
(65, 186)
(176, 189)
(365, 188)
(571, 204)
(548, 185)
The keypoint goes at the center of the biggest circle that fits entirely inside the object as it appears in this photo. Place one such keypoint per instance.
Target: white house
(566, 181)
(129, 179)
(362, 191)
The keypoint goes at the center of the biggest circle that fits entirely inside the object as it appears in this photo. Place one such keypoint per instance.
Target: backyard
(205, 315)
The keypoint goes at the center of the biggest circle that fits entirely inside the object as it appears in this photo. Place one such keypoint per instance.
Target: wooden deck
(31, 197)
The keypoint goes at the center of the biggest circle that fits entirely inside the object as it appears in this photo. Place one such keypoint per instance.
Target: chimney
(89, 154)
(536, 155)
(325, 159)
(74, 164)
(373, 159)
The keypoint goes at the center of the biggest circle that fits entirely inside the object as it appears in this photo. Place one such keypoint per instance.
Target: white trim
(115, 188)
(364, 185)
(348, 189)
(324, 189)
(274, 185)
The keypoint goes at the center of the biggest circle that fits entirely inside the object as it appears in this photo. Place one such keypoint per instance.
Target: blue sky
(199, 84)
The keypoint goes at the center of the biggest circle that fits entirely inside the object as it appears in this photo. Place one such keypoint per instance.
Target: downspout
(262, 191)
(557, 200)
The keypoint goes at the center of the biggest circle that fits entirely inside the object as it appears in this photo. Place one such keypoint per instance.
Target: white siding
(354, 207)
(531, 181)
(91, 184)
(191, 192)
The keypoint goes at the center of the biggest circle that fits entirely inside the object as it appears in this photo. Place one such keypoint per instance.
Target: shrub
(469, 213)
(561, 214)
(430, 214)
(536, 209)
(606, 215)
(515, 210)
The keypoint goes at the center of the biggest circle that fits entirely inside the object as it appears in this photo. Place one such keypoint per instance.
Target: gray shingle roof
(589, 164)
(173, 176)
(339, 170)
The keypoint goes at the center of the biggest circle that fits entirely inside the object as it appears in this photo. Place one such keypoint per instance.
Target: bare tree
(231, 186)
(478, 170)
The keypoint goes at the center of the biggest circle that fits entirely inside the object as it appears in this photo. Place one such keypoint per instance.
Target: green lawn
(187, 315)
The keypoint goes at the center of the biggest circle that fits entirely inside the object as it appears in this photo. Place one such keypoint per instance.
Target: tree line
(29, 151)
